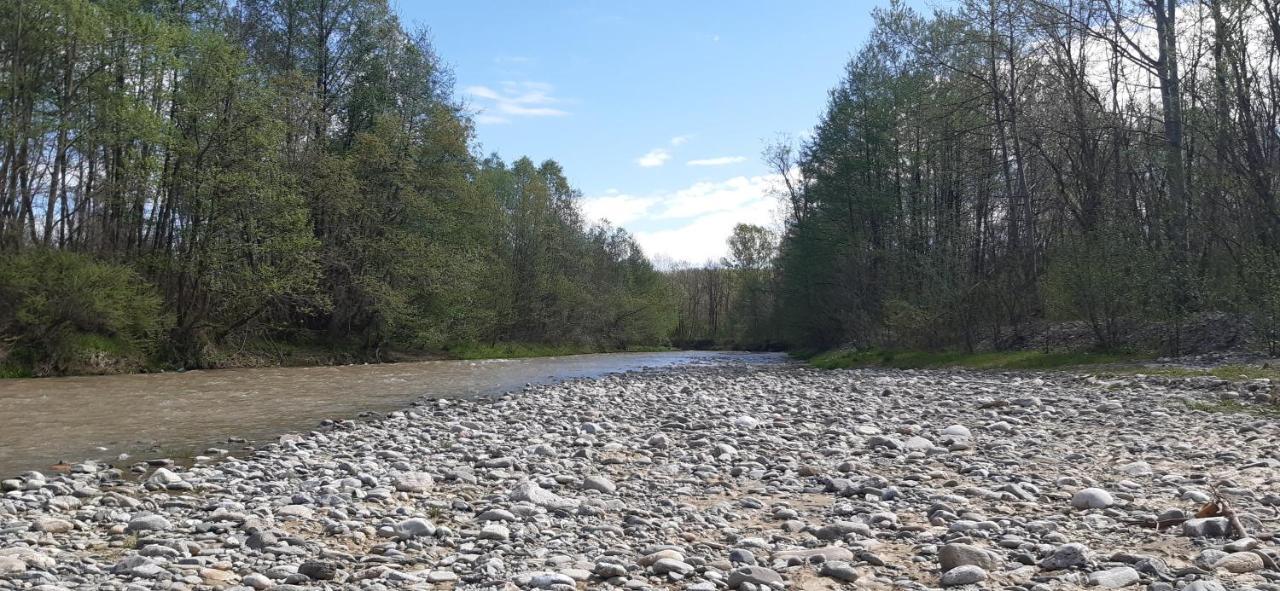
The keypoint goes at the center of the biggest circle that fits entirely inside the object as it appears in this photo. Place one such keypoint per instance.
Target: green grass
(1227, 372)
(522, 350)
(994, 360)
(1234, 406)
(9, 370)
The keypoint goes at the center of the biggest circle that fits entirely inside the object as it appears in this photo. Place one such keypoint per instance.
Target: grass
(1233, 372)
(993, 360)
(1234, 406)
(522, 350)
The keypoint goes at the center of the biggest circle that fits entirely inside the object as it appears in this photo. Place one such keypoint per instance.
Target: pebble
(733, 474)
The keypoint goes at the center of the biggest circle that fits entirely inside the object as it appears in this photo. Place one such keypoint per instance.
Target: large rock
(51, 525)
(956, 555)
(1066, 556)
(756, 575)
(1207, 527)
(529, 491)
(1091, 498)
(1114, 578)
(318, 571)
(149, 523)
(413, 482)
(963, 575)
(1240, 562)
(599, 483)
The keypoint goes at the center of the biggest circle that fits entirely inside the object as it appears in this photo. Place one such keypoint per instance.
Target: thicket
(181, 182)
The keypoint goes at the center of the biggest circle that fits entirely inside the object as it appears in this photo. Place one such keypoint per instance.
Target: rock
(1207, 527)
(654, 557)
(599, 483)
(318, 571)
(8, 564)
(494, 531)
(52, 525)
(838, 570)
(1240, 562)
(671, 565)
(1091, 498)
(1203, 586)
(1135, 469)
(827, 554)
(756, 575)
(917, 443)
(1242, 545)
(149, 523)
(1066, 556)
(415, 527)
(1114, 578)
(657, 441)
(257, 581)
(549, 580)
(963, 575)
(955, 555)
(413, 482)
(957, 431)
(530, 492)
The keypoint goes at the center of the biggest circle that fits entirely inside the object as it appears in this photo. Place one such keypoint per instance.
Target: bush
(62, 311)
(1101, 279)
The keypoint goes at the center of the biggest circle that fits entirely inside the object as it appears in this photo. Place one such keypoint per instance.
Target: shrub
(61, 310)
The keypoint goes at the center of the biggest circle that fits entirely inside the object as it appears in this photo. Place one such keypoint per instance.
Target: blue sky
(658, 111)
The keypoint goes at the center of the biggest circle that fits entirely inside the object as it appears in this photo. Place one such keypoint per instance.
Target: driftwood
(1219, 506)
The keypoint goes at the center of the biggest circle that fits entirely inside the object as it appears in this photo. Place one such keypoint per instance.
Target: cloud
(691, 224)
(719, 161)
(680, 140)
(515, 99)
(656, 157)
(617, 209)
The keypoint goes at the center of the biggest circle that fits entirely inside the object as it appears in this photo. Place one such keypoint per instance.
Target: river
(178, 415)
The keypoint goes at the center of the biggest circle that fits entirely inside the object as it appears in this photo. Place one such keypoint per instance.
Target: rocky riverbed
(727, 476)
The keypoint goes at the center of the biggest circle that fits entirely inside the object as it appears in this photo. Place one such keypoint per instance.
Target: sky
(658, 111)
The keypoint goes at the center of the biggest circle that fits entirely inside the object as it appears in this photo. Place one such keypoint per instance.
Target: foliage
(993, 166)
(270, 174)
(65, 308)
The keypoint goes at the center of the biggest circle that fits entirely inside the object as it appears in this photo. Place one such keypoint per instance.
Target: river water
(176, 415)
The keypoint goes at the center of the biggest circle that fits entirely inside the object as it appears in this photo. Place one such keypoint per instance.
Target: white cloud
(719, 161)
(691, 224)
(656, 157)
(617, 209)
(680, 140)
(515, 99)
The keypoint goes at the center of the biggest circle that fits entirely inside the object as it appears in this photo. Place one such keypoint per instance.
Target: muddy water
(43, 421)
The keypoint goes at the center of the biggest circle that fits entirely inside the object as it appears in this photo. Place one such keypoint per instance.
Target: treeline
(180, 182)
(1007, 162)
(731, 303)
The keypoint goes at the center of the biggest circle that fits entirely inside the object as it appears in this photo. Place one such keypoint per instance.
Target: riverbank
(725, 475)
(105, 361)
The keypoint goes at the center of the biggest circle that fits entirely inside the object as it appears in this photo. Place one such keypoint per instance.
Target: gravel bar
(728, 475)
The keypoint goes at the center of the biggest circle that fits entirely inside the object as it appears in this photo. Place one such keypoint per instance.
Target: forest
(186, 184)
(190, 184)
(1004, 164)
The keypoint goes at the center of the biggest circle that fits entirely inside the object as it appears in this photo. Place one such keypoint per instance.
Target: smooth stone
(755, 575)
(1114, 578)
(1091, 498)
(964, 575)
(952, 556)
